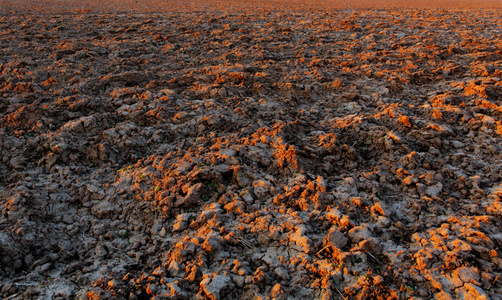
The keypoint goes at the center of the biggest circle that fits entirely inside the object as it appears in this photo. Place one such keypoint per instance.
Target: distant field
(93, 6)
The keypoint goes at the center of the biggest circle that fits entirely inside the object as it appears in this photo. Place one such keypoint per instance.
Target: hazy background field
(94, 6)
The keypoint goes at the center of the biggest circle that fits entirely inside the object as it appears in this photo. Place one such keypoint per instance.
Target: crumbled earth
(344, 154)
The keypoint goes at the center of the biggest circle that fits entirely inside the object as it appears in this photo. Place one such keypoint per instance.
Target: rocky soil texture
(351, 154)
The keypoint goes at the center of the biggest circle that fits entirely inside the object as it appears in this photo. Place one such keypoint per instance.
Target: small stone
(50, 160)
(162, 232)
(334, 215)
(216, 286)
(212, 120)
(345, 221)
(381, 223)
(409, 180)
(271, 258)
(175, 269)
(45, 267)
(336, 239)
(212, 243)
(443, 296)
(247, 196)
(183, 168)
(261, 188)
(497, 190)
(422, 292)
(471, 291)
(192, 197)
(175, 291)
(359, 233)
(262, 240)
(210, 211)
(166, 92)
(159, 271)
(151, 289)
(241, 177)
(303, 243)
(9, 288)
(96, 192)
(369, 245)
(236, 207)
(434, 190)
(377, 210)
(104, 209)
(405, 120)
(459, 245)
(179, 116)
(282, 273)
(239, 280)
(353, 107)
(457, 144)
(181, 222)
(17, 162)
(100, 251)
(277, 292)
(377, 280)
(467, 274)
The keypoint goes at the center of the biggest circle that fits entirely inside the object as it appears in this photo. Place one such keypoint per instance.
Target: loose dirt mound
(343, 154)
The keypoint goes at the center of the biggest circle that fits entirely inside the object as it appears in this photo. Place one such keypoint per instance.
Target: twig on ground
(376, 259)
(322, 250)
(341, 295)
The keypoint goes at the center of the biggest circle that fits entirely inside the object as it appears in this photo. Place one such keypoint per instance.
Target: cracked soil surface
(259, 154)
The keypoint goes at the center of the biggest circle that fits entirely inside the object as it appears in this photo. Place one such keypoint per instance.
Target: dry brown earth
(269, 153)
